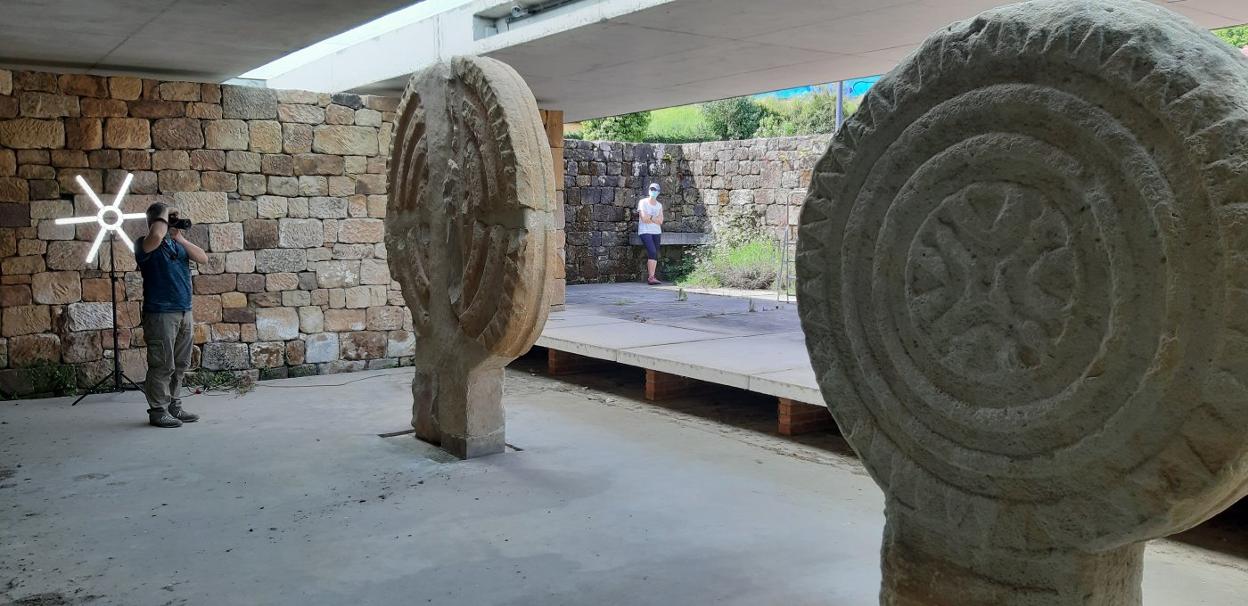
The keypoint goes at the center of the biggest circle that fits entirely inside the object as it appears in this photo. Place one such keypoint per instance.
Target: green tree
(628, 127)
(1237, 36)
(807, 115)
(735, 118)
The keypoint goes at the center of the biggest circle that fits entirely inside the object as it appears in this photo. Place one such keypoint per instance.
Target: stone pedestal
(1021, 275)
(470, 235)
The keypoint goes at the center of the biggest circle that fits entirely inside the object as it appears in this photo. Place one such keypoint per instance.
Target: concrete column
(552, 119)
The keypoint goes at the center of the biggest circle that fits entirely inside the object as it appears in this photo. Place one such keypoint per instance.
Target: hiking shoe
(653, 282)
(175, 409)
(159, 417)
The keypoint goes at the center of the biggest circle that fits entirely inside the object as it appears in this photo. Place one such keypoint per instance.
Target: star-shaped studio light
(109, 217)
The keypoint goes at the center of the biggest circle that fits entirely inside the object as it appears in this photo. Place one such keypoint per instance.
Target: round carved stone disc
(470, 223)
(1022, 273)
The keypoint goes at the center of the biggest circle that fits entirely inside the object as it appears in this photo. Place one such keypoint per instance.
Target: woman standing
(650, 229)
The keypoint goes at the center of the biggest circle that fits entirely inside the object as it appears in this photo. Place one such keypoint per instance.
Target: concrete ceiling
(205, 40)
(595, 58)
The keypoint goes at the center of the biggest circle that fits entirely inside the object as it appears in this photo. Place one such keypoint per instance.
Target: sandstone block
(313, 186)
(226, 332)
(248, 103)
(344, 320)
(361, 230)
(226, 356)
(363, 345)
(358, 297)
(34, 350)
(385, 318)
(179, 91)
(370, 184)
(214, 284)
(226, 134)
(311, 319)
(296, 138)
(260, 233)
(277, 164)
(25, 320)
(252, 185)
(307, 114)
(83, 85)
(47, 105)
(154, 109)
(318, 164)
(6, 82)
(400, 343)
(237, 161)
(203, 207)
(240, 262)
(13, 189)
(327, 208)
(89, 316)
(206, 308)
(178, 133)
(368, 117)
(341, 186)
(320, 348)
(125, 88)
(57, 287)
(281, 281)
(225, 237)
(26, 133)
(14, 266)
(232, 299)
(268, 354)
(67, 255)
(296, 352)
(127, 133)
(338, 114)
(374, 271)
(218, 181)
(79, 347)
(345, 140)
(171, 159)
(84, 133)
(272, 207)
(276, 260)
(337, 274)
(203, 111)
(300, 233)
(266, 137)
(284, 186)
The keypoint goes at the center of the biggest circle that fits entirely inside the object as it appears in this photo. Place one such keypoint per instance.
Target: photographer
(167, 322)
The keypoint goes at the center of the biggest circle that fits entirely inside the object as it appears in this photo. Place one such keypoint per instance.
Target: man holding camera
(163, 257)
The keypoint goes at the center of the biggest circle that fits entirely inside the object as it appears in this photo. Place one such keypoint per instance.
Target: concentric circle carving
(1020, 264)
(470, 225)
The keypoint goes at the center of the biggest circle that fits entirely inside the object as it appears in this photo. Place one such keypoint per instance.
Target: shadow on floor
(1225, 533)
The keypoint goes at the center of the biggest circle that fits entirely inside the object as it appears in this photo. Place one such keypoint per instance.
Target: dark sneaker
(175, 409)
(159, 417)
(653, 282)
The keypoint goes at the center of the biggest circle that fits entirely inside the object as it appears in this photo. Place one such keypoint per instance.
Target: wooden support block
(552, 119)
(564, 363)
(797, 418)
(556, 154)
(663, 386)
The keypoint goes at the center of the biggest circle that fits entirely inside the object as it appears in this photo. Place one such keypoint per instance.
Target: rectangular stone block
(48, 105)
(248, 103)
(203, 207)
(345, 140)
(363, 345)
(225, 237)
(321, 348)
(57, 287)
(178, 133)
(276, 260)
(300, 233)
(344, 320)
(26, 133)
(24, 320)
(361, 230)
(89, 316)
(226, 134)
(266, 137)
(226, 356)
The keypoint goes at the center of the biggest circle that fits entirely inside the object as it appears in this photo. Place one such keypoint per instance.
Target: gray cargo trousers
(168, 338)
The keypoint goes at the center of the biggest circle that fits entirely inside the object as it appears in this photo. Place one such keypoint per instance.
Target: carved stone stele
(469, 230)
(1023, 279)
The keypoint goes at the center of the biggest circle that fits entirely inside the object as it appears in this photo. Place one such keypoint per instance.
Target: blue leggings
(652, 245)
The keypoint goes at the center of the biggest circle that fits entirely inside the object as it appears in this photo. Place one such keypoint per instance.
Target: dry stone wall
(704, 185)
(288, 193)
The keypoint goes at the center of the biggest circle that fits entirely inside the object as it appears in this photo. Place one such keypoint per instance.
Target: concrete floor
(287, 495)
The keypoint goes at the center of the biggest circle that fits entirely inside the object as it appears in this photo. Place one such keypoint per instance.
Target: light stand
(117, 374)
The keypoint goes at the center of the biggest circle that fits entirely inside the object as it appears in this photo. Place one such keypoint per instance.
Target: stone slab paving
(711, 338)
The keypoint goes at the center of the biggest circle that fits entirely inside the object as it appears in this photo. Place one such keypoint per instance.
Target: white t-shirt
(646, 206)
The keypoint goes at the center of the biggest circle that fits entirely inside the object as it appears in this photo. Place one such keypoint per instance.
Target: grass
(749, 265)
(682, 123)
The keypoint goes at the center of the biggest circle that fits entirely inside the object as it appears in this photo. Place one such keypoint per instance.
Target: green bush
(628, 127)
(735, 118)
(1237, 36)
(681, 124)
(743, 256)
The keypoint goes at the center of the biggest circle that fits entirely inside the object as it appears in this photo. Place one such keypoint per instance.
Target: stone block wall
(704, 185)
(287, 190)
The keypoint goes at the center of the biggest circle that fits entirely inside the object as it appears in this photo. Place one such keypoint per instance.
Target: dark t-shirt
(166, 277)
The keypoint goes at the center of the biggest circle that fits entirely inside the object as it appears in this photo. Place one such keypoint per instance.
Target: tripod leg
(94, 389)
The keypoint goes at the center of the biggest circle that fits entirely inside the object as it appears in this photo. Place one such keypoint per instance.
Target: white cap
(654, 187)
